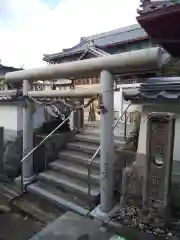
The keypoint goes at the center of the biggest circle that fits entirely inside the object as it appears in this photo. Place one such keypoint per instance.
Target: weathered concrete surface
(29, 204)
(73, 227)
(16, 226)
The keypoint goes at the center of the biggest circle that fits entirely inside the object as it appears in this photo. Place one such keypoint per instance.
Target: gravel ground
(132, 217)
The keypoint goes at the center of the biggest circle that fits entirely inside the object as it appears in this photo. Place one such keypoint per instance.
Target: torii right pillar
(107, 141)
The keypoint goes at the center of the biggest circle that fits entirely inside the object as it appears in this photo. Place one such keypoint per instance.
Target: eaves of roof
(156, 90)
(162, 25)
(6, 99)
(10, 68)
(159, 97)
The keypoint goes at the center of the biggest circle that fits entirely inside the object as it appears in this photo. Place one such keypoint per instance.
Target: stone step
(79, 158)
(57, 197)
(118, 131)
(69, 184)
(95, 139)
(75, 171)
(89, 131)
(83, 147)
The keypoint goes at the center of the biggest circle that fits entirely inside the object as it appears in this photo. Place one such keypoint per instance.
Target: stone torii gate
(150, 59)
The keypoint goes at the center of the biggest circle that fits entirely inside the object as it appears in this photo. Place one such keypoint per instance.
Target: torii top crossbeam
(135, 61)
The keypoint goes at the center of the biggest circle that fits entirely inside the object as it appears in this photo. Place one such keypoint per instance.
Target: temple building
(120, 40)
(116, 41)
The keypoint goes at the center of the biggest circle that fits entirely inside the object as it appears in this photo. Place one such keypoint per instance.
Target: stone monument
(158, 166)
(146, 182)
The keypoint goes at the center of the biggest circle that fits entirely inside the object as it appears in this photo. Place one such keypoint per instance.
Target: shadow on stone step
(84, 237)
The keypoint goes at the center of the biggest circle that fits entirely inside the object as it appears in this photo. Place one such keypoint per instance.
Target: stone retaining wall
(12, 154)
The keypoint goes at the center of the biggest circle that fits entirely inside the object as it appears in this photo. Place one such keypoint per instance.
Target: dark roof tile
(161, 96)
(157, 89)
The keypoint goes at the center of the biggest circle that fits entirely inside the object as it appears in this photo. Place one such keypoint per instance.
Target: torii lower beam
(74, 93)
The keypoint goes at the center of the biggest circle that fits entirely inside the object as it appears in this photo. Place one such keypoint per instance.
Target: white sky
(30, 28)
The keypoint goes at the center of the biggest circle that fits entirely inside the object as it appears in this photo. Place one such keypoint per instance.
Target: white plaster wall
(8, 116)
(117, 101)
(11, 118)
(143, 128)
(38, 117)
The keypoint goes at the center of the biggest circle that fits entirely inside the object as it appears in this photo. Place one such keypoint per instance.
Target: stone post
(28, 129)
(78, 116)
(1, 147)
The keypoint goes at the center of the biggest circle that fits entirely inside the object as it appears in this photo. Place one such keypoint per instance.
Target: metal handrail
(36, 147)
(97, 151)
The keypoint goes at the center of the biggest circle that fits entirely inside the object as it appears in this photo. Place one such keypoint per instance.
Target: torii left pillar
(28, 129)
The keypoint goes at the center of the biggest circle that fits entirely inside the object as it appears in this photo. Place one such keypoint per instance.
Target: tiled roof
(9, 68)
(5, 69)
(157, 90)
(162, 25)
(17, 95)
(154, 5)
(7, 99)
(12, 96)
(11, 99)
(118, 36)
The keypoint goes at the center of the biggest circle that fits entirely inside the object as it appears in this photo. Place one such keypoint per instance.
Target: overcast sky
(30, 28)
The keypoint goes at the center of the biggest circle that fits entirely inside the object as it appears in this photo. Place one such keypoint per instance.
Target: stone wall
(12, 154)
(50, 149)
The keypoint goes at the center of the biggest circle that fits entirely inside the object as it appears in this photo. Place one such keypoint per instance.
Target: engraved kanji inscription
(160, 138)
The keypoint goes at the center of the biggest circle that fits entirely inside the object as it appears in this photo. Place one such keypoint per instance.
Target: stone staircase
(65, 183)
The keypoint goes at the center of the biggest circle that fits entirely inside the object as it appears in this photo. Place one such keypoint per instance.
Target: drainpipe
(1, 147)
(107, 142)
(121, 100)
(28, 129)
(82, 114)
(78, 116)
